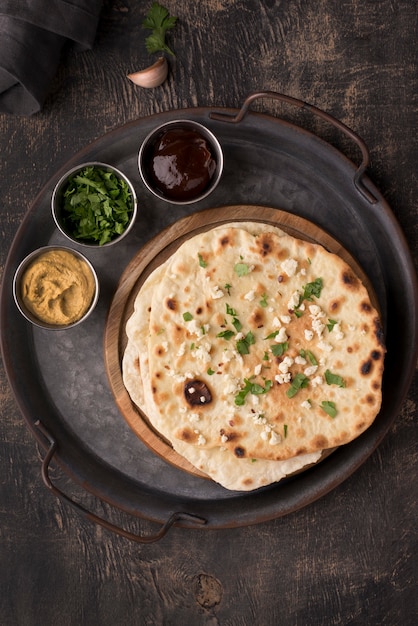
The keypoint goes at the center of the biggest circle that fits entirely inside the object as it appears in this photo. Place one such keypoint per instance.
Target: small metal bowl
(174, 191)
(55, 301)
(57, 202)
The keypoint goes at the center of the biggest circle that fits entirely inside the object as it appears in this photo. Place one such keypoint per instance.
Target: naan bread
(252, 351)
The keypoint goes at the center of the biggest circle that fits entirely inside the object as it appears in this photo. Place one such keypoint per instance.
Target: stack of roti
(252, 352)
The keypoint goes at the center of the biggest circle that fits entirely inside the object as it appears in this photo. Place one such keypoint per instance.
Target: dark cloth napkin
(32, 36)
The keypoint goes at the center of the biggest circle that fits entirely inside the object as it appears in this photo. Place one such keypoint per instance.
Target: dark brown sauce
(181, 164)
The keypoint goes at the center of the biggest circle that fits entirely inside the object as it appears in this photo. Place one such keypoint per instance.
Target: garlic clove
(151, 76)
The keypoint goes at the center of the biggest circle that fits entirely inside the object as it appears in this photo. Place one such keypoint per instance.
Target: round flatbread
(250, 347)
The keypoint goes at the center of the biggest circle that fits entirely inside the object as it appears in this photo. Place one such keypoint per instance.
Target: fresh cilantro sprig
(159, 21)
(97, 205)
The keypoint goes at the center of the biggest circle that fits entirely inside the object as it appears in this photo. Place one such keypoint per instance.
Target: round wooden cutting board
(153, 254)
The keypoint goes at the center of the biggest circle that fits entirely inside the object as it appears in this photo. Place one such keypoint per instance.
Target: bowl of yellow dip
(55, 287)
(94, 204)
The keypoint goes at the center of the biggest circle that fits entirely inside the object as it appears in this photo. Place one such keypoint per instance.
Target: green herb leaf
(97, 205)
(313, 289)
(279, 349)
(227, 288)
(253, 388)
(237, 324)
(331, 324)
(272, 335)
(300, 381)
(210, 371)
(159, 21)
(263, 301)
(310, 290)
(226, 334)
(285, 430)
(243, 345)
(329, 408)
(334, 379)
(309, 355)
(241, 269)
(187, 316)
(202, 262)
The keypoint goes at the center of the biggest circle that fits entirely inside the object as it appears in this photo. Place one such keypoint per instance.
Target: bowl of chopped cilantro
(94, 204)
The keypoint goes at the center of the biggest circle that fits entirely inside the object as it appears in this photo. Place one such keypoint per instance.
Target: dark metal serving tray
(59, 378)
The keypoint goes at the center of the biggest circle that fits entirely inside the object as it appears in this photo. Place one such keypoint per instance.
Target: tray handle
(177, 517)
(359, 173)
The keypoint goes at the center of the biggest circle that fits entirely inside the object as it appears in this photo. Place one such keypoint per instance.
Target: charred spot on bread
(265, 245)
(335, 305)
(366, 367)
(187, 434)
(197, 393)
(239, 452)
(349, 279)
(171, 304)
(365, 307)
(378, 331)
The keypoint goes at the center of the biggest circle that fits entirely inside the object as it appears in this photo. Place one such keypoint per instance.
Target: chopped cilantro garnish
(331, 324)
(329, 408)
(285, 430)
(202, 262)
(263, 301)
(243, 345)
(334, 379)
(187, 316)
(307, 354)
(253, 388)
(226, 334)
(97, 205)
(279, 349)
(310, 290)
(227, 288)
(241, 269)
(313, 289)
(210, 371)
(272, 335)
(300, 381)
(235, 322)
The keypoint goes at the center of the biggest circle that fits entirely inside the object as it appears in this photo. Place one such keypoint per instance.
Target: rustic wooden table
(347, 558)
